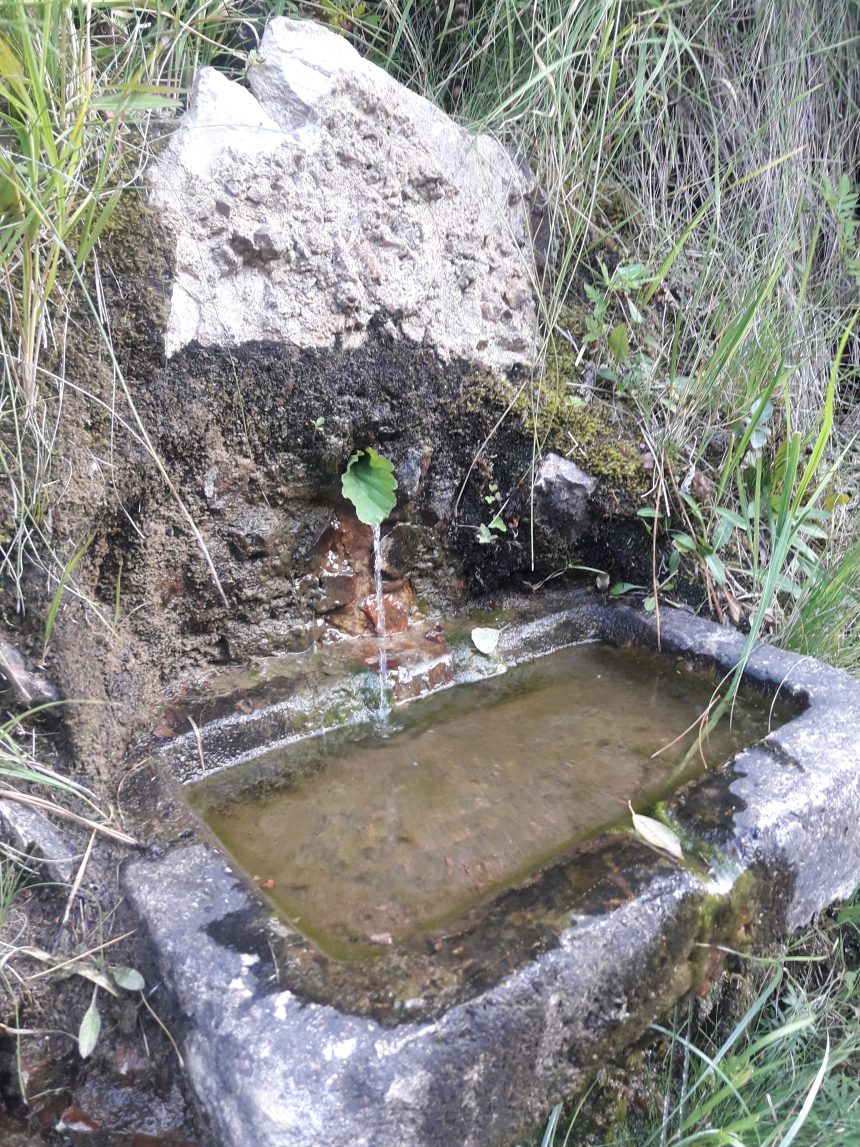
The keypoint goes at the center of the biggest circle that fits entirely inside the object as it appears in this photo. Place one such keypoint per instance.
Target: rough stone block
(329, 193)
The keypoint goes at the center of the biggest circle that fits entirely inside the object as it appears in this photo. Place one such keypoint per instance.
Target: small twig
(161, 1024)
(709, 581)
(6, 1030)
(667, 1098)
(703, 728)
(654, 561)
(82, 867)
(685, 1070)
(689, 729)
(49, 806)
(199, 741)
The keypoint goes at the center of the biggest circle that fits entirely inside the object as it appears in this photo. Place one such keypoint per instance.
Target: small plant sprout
(369, 483)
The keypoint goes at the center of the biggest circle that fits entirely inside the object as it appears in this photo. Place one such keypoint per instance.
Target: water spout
(383, 711)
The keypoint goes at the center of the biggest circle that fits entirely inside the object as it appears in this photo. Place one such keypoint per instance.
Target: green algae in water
(364, 838)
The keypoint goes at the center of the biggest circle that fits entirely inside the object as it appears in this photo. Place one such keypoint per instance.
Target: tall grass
(826, 620)
(726, 136)
(781, 1068)
(79, 84)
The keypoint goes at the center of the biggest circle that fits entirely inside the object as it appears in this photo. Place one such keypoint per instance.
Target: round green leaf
(369, 483)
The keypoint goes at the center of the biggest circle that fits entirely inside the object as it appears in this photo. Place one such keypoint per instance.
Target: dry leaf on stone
(485, 640)
(657, 834)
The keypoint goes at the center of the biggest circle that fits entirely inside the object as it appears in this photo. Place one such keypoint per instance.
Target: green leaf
(716, 567)
(618, 343)
(485, 537)
(369, 483)
(133, 101)
(631, 276)
(128, 978)
(684, 542)
(636, 315)
(622, 587)
(91, 1025)
(722, 532)
(730, 516)
(61, 585)
(498, 524)
(657, 834)
(485, 640)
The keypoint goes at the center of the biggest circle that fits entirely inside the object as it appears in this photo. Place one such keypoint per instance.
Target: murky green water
(361, 840)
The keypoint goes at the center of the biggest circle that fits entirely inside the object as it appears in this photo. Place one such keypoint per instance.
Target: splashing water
(382, 712)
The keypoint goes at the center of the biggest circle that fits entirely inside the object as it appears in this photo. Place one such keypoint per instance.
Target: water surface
(362, 840)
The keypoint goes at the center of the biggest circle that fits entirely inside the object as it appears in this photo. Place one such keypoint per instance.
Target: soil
(129, 1091)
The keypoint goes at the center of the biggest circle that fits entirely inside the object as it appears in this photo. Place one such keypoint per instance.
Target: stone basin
(468, 1028)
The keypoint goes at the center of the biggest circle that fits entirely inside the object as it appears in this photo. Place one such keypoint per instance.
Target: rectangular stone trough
(467, 1032)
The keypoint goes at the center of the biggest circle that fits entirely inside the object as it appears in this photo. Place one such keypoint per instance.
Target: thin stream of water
(382, 713)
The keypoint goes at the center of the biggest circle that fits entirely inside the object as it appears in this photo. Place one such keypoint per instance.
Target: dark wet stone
(338, 588)
(29, 687)
(563, 491)
(109, 1114)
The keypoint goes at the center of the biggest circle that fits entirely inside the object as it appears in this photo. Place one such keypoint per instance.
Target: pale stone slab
(329, 194)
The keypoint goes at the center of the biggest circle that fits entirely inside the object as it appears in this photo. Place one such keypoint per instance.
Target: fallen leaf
(736, 610)
(657, 834)
(88, 1032)
(381, 938)
(485, 640)
(267, 885)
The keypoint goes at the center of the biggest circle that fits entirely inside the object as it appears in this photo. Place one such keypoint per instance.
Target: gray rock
(330, 193)
(275, 1070)
(562, 492)
(30, 688)
(29, 831)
